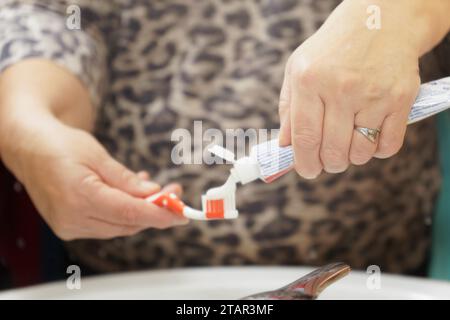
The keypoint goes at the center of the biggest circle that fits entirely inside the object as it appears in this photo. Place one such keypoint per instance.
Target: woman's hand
(82, 192)
(78, 188)
(347, 75)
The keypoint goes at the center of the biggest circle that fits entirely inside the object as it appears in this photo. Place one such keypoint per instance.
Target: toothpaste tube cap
(246, 170)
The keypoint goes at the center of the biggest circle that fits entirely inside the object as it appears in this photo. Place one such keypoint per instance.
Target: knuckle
(305, 77)
(333, 157)
(402, 96)
(348, 83)
(304, 74)
(306, 138)
(375, 92)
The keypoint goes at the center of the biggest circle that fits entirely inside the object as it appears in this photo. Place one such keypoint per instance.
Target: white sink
(227, 283)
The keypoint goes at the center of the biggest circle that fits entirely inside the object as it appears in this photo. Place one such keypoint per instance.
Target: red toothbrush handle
(169, 201)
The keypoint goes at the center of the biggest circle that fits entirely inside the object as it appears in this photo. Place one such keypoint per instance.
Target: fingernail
(311, 176)
(179, 222)
(143, 175)
(148, 185)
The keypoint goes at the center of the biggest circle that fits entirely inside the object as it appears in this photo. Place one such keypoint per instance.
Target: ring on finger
(370, 133)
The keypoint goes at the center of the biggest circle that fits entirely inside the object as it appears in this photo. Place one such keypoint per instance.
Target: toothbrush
(217, 203)
(171, 202)
(268, 161)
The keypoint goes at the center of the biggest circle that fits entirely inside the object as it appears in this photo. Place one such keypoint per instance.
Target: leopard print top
(155, 66)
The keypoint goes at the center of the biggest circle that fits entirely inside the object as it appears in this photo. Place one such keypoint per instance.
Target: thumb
(118, 176)
(284, 113)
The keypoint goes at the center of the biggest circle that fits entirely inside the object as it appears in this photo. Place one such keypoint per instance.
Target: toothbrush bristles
(215, 209)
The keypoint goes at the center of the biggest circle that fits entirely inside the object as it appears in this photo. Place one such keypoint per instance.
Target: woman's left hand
(348, 75)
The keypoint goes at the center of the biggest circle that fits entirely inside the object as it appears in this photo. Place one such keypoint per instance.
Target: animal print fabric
(155, 66)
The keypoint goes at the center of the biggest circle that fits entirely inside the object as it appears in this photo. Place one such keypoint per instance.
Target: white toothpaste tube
(268, 161)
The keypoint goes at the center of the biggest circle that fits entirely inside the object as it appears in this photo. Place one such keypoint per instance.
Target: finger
(115, 206)
(337, 137)
(307, 112)
(93, 228)
(118, 176)
(143, 175)
(100, 229)
(392, 135)
(284, 113)
(362, 149)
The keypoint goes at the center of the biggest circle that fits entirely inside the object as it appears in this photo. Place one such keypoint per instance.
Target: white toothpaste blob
(217, 203)
(220, 202)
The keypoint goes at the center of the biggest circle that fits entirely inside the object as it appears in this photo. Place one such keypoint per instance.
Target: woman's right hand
(82, 192)
(77, 187)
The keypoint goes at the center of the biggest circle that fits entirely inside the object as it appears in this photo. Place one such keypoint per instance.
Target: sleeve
(73, 34)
